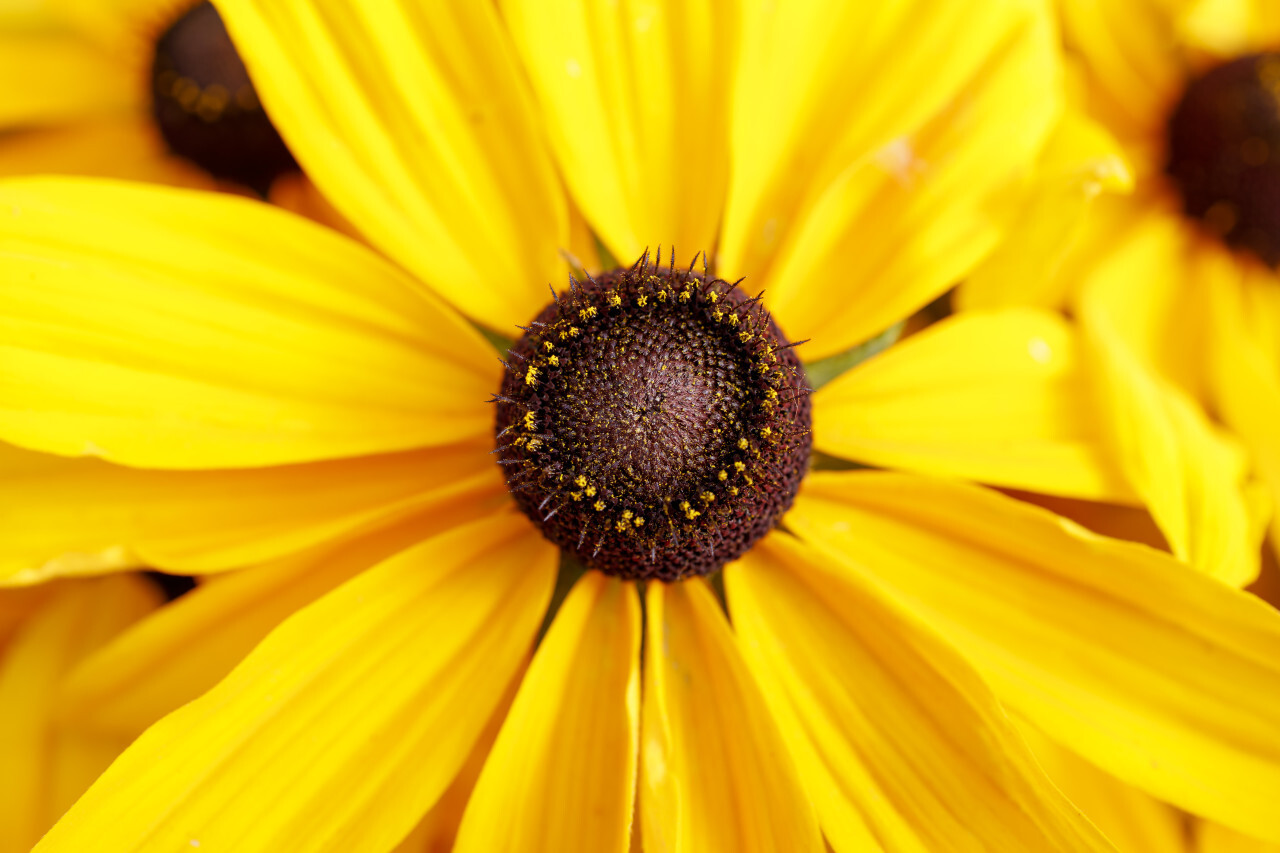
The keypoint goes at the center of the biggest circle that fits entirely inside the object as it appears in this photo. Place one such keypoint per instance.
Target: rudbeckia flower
(1173, 279)
(205, 383)
(149, 90)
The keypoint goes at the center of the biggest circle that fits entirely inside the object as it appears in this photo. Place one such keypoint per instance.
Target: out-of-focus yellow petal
(715, 771)
(127, 147)
(171, 329)
(1191, 476)
(46, 766)
(347, 722)
(74, 516)
(872, 146)
(1244, 369)
(414, 122)
(636, 101)
(1164, 677)
(177, 654)
(1080, 161)
(562, 774)
(1216, 838)
(998, 397)
(900, 744)
(51, 78)
(1229, 28)
(1133, 820)
(1129, 56)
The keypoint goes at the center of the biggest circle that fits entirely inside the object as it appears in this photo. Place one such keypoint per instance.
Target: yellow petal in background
(561, 776)
(1216, 838)
(70, 516)
(170, 658)
(414, 122)
(1244, 369)
(636, 102)
(174, 329)
(53, 77)
(347, 722)
(998, 397)
(873, 147)
(46, 765)
(128, 147)
(1080, 161)
(1190, 475)
(900, 744)
(1160, 675)
(715, 771)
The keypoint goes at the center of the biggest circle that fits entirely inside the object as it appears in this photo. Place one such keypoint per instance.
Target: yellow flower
(1173, 283)
(147, 90)
(207, 383)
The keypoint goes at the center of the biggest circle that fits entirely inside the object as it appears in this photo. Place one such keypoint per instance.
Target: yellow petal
(636, 102)
(1166, 678)
(1216, 838)
(872, 145)
(126, 147)
(177, 654)
(1135, 821)
(998, 397)
(49, 78)
(1190, 476)
(347, 722)
(415, 124)
(62, 516)
(1080, 161)
(715, 772)
(172, 329)
(1244, 368)
(562, 773)
(46, 766)
(900, 744)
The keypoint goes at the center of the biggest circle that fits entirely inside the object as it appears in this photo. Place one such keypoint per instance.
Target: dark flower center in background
(207, 109)
(654, 422)
(1224, 153)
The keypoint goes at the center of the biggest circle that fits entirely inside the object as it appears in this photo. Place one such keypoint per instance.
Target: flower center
(206, 108)
(1224, 153)
(654, 422)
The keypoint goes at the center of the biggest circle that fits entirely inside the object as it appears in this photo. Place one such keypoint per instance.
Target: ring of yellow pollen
(206, 107)
(654, 422)
(1224, 153)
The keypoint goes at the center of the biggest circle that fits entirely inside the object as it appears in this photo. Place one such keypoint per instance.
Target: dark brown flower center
(206, 108)
(654, 422)
(1224, 153)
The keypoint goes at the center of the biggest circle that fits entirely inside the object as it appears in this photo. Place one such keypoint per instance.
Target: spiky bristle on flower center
(207, 109)
(654, 421)
(1224, 153)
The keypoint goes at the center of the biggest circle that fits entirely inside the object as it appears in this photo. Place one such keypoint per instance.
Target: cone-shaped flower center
(1224, 153)
(206, 108)
(655, 422)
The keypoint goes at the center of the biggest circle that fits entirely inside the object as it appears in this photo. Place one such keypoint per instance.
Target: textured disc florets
(654, 421)
(206, 107)
(1224, 153)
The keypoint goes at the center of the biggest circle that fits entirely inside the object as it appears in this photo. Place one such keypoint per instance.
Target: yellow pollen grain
(742, 444)
(591, 491)
(573, 330)
(535, 443)
(577, 496)
(627, 514)
(580, 482)
(723, 475)
(598, 506)
(662, 296)
(733, 490)
(718, 314)
(554, 361)
(586, 313)
(615, 300)
(686, 295)
(707, 497)
(530, 420)
(739, 467)
(713, 296)
(621, 526)
(642, 300)
(548, 346)
(767, 431)
(531, 376)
